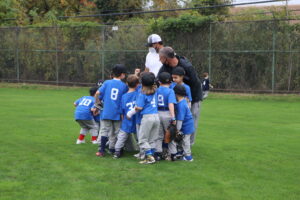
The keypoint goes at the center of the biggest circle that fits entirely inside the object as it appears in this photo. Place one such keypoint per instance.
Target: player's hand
(173, 121)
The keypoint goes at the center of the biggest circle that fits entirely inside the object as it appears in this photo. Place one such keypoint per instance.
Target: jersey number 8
(114, 94)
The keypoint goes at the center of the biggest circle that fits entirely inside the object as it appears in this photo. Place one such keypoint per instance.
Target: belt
(163, 108)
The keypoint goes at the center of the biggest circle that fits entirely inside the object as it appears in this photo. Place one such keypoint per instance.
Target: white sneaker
(80, 141)
(95, 142)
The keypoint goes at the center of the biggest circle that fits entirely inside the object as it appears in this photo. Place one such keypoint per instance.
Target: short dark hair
(164, 77)
(93, 91)
(148, 79)
(180, 90)
(118, 69)
(132, 81)
(178, 71)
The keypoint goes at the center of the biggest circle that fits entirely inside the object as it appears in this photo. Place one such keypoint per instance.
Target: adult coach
(153, 64)
(170, 61)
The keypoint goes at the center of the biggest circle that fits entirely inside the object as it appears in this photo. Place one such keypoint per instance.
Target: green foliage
(8, 12)
(211, 11)
(187, 23)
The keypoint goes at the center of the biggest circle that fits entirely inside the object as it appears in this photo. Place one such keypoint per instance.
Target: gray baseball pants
(164, 118)
(196, 109)
(148, 132)
(110, 129)
(88, 126)
(186, 145)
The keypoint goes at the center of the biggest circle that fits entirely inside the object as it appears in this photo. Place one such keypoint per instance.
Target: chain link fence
(248, 56)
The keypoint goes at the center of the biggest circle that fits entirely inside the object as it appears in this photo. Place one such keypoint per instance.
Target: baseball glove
(99, 106)
(178, 137)
(171, 133)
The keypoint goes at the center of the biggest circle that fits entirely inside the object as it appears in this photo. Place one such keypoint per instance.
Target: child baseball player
(206, 85)
(166, 112)
(128, 126)
(110, 117)
(177, 76)
(84, 116)
(147, 104)
(184, 123)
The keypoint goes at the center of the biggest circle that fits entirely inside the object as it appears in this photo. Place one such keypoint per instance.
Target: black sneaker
(117, 155)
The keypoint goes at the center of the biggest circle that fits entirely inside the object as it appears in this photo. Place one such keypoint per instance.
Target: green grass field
(248, 147)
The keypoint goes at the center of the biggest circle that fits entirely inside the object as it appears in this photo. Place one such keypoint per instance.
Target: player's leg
(141, 154)
(83, 131)
(122, 137)
(186, 145)
(113, 134)
(93, 129)
(172, 148)
(196, 109)
(106, 127)
(144, 135)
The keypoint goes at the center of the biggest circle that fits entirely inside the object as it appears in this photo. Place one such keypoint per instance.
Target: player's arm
(97, 100)
(172, 112)
(179, 124)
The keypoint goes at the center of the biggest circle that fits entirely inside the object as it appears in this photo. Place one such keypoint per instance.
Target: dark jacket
(190, 78)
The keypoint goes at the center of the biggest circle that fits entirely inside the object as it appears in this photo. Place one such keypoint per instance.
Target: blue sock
(153, 151)
(103, 144)
(165, 145)
(112, 150)
(148, 152)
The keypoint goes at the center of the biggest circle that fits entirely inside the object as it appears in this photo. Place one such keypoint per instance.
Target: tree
(9, 12)
(211, 11)
(115, 6)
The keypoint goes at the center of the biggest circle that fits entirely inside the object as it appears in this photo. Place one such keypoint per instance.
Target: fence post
(209, 53)
(103, 53)
(56, 54)
(17, 54)
(273, 57)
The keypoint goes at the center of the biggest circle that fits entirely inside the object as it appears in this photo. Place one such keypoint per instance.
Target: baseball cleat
(100, 154)
(149, 160)
(80, 141)
(188, 158)
(94, 142)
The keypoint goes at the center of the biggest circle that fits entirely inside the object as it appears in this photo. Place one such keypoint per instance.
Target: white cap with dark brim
(154, 38)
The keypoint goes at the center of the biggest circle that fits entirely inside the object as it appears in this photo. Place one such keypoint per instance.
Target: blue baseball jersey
(187, 89)
(128, 103)
(97, 118)
(147, 102)
(165, 96)
(184, 114)
(83, 108)
(111, 92)
(138, 115)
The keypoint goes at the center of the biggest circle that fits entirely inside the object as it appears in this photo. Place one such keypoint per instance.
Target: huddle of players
(139, 107)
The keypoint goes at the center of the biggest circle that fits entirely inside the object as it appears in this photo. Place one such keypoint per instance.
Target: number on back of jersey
(85, 102)
(160, 100)
(114, 94)
(153, 102)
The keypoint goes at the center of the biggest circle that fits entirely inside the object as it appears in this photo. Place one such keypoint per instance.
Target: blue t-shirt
(111, 92)
(83, 108)
(147, 102)
(165, 96)
(138, 115)
(184, 114)
(187, 89)
(97, 118)
(128, 103)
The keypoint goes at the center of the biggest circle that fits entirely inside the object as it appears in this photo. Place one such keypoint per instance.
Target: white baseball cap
(154, 38)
